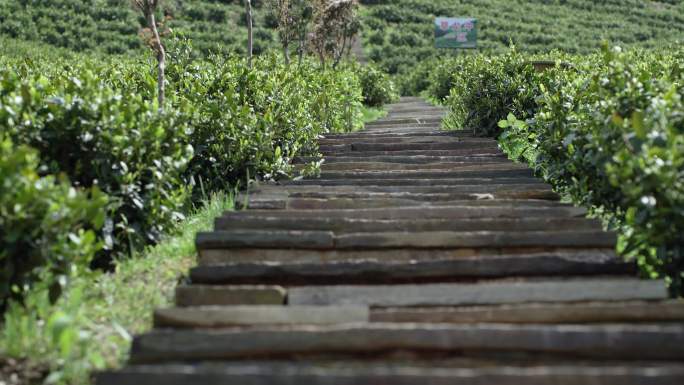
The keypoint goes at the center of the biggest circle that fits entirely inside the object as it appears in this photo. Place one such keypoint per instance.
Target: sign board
(455, 32)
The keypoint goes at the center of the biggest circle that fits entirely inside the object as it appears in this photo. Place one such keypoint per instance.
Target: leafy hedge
(98, 137)
(253, 122)
(46, 226)
(378, 88)
(97, 123)
(608, 131)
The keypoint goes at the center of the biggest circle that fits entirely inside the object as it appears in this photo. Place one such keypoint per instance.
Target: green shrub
(46, 226)
(484, 90)
(378, 88)
(607, 131)
(100, 137)
(253, 122)
(613, 138)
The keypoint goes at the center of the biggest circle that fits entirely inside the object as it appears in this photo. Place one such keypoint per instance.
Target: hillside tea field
(111, 26)
(399, 34)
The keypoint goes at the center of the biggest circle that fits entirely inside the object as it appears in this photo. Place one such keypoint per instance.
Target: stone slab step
(250, 373)
(336, 201)
(400, 138)
(409, 159)
(482, 293)
(413, 107)
(203, 295)
(370, 147)
(474, 256)
(404, 120)
(429, 115)
(391, 135)
(282, 203)
(512, 172)
(427, 212)
(313, 191)
(414, 128)
(540, 313)
(412, 181)
(426, 167)
(400, 122)
(227, 316)
(393, 271)
(322, 240)
(460, 152)
(614, 342)
(343, 225)
(403, 128)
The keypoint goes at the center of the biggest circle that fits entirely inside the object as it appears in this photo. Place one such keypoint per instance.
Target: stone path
(418, 257)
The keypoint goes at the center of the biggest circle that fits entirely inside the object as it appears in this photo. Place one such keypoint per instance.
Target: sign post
(455, 32)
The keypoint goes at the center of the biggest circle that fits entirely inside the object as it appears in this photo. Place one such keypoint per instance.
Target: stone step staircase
(418, 257)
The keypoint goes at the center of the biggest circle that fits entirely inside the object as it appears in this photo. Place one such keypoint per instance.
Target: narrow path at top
(418, 257)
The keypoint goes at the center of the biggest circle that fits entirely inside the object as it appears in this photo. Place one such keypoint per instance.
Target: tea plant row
(93, 169)
(606, 129)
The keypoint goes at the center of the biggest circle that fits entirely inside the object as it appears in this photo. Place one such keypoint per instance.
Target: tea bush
(96, 121)
(378, 89)
(100, 137)
(613, 137)
(607, 131)
(253, 122)
(47, 228)
(485, 89)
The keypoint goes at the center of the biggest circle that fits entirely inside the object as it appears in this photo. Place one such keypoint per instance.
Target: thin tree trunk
(161, 59)
(250, 41)
(340, 54)
(286, 52)
(302, 47)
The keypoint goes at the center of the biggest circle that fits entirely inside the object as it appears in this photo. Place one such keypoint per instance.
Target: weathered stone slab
(483, 293)
(540, 313)
(344, 225)
(270, 373)
(449, 239)
(202, 295)
(360, 201)
(227, 316)
(642, 342)
(223, 256)
(459, 152)
(428, 174)
(400, 121)
(266, 238)
(323, 240)
(394, 139)
(379, 200)
(451, 145)
(398, 271)
(409, 182)
(368, 200)
(427, 212)
(301, 191)
(410, 159)
(426, 167)
(391, 135)
(406, 129)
